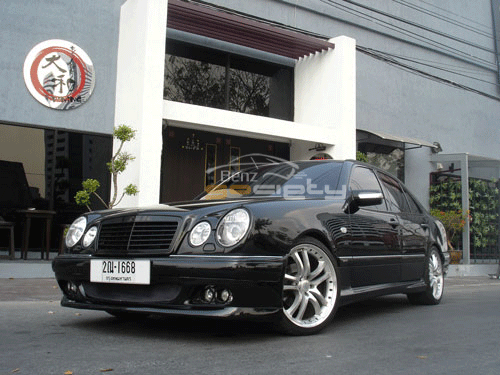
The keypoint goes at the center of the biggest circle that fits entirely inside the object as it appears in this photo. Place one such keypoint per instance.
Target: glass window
(210, 164)
(51, 164)
(55, 163)
(249, 92)
(394, 194)
(413, 204)
(364, 179)
(387, 158)
(216, 79)
(194, 82)
(234, 160)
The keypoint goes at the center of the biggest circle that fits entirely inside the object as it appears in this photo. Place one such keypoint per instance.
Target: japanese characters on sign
(59, 74)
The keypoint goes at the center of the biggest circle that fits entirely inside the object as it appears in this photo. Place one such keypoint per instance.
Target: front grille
(136, 236)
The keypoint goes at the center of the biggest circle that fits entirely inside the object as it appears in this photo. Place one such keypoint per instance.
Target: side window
(364, 179)
(414, 206)
(394, 194)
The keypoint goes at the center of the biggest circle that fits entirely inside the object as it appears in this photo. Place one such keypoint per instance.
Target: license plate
(120, 271)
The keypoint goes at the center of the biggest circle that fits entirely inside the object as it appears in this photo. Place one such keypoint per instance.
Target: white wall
(245, 125)
(325, 95)
(417, 170)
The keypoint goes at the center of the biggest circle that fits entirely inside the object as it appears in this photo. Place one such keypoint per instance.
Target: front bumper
(223, 312)
(446, 262)
(177, 284)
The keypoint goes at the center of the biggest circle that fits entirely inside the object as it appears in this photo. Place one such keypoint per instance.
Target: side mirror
(364, 198)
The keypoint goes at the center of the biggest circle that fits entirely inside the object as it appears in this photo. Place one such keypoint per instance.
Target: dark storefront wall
(188, 155)
(53, 164)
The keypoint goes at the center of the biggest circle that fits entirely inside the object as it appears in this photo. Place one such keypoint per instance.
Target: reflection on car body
(330, 233)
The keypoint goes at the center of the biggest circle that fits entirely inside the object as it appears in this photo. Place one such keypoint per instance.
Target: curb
(26, 269)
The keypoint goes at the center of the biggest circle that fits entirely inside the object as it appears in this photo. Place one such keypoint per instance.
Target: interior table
(44, 215)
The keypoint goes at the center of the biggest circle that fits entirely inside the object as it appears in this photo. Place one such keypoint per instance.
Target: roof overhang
(390, 139)
(211, 22)
(473, 161)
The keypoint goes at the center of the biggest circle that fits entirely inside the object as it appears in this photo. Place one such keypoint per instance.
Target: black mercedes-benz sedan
(288, 241)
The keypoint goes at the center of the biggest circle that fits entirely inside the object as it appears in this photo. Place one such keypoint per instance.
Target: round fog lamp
(224, 295)
(209, 294)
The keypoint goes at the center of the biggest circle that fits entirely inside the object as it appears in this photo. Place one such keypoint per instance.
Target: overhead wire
(430, 65)
(487, 34)
(489, 28)
(382, 57)
(419, 26)
(433, 63)
(413, 35)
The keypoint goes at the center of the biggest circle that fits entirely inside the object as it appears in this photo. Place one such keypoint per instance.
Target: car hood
(198, 207)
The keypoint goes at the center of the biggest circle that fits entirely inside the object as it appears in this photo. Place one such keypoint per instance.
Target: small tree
(361, 157)
(116, 166)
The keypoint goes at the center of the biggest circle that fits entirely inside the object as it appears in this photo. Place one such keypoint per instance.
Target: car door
(414, 235)
(375, 245)
(412, 227)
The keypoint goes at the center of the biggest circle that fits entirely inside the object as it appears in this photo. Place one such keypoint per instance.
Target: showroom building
(205, 83)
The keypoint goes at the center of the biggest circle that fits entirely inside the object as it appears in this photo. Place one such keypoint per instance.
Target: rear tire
(434, 281)
(310, 288)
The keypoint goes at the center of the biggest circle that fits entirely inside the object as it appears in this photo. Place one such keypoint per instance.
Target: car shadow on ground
(372, 307)
(189, 328)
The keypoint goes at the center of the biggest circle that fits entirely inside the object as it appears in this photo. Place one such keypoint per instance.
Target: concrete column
(139, 94)
(464, 174)
(325, 96)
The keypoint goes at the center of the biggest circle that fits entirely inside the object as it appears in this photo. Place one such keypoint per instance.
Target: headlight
(89, 236)
(233, 227)
(199, 234)
(75, 231)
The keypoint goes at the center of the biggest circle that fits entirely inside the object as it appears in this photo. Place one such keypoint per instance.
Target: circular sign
(321, 156)
(59, 74)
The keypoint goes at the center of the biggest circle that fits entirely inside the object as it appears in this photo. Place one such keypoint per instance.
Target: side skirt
(351, 295)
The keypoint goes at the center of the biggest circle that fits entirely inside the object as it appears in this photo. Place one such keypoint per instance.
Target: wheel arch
(321, 237)
(439, 247)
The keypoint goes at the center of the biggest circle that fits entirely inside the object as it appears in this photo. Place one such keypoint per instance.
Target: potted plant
(117, 165)
(454, 222)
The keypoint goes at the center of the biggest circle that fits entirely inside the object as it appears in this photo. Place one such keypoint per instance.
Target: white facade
(324, 101)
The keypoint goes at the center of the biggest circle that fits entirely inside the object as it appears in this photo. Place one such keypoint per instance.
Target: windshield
(301, 180)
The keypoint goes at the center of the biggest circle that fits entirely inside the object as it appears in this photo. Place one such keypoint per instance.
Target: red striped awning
(217, 24)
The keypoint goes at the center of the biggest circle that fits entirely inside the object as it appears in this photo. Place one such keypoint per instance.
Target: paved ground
(381, 336)
(43, 289)
(29, 290)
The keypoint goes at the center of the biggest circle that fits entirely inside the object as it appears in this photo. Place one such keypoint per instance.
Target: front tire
(434, 280)
(310, 288)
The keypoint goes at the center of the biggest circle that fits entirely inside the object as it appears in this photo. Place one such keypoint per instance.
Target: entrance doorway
(193, 159)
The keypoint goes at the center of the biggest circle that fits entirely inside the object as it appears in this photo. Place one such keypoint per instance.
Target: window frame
(389, 196)
(383, 207)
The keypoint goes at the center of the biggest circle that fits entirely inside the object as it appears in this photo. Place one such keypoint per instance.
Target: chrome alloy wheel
(434, 281)
(310, 286)
(436, 278)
